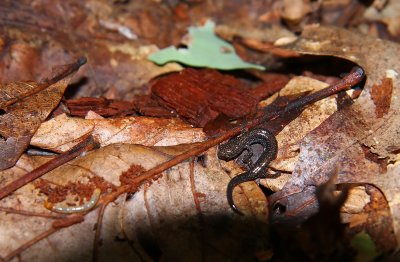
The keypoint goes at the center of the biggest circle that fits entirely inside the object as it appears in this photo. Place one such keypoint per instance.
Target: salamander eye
(279, 208)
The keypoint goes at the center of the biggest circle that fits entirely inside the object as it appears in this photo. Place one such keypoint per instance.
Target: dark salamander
(234, 147)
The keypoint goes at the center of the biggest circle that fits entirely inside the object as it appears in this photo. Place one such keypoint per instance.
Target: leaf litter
(146, 217)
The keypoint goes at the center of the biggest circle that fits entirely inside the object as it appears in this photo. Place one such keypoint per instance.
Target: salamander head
(230, 149)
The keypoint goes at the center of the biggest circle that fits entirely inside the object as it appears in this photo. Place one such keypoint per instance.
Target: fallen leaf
(338, 141)
(61, 133)
(205, 49)
(356, 200)
(389, 15)
(116, 62)
(294, 11)
(186, 205)
(20, 120)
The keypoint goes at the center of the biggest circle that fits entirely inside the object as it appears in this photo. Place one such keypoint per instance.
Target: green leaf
(365, 247)
(204, 50)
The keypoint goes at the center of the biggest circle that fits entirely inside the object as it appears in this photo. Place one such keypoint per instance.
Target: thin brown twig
(30, 213)
(97, 236)
(87, 144)
(198, 208)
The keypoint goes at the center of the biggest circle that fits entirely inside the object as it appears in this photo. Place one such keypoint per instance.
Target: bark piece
(101, 105)
(201, 95)
(148, 106)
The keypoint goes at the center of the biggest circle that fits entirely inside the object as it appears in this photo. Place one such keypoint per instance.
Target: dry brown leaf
(20, 120)
(337, 143)
(186, 205)
(62, 132)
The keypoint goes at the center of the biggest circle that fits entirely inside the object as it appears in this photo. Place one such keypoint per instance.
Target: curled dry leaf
(186, 205)
(337, 143)
(20, 120)
(62, 132)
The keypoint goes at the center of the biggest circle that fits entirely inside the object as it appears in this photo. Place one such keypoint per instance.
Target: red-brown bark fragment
(148, 106)
(101, 105)
(201, 95)
(382, 95)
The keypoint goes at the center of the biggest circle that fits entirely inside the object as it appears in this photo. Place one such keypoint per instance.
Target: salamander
(234, 147)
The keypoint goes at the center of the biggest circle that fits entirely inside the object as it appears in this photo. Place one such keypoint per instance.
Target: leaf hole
(2, 112)
(279, 208)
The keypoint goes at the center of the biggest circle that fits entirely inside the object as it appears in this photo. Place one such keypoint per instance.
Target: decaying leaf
(387, 13)
(186, 205)
(61, 133)
(337, 143)
(309, 119)
(20, 120)
(184, 214)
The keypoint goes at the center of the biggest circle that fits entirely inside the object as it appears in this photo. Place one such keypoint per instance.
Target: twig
(86, 145)
(30, 213)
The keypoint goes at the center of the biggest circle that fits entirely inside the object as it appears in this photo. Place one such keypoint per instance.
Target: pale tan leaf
(62, 132)
(184, 205)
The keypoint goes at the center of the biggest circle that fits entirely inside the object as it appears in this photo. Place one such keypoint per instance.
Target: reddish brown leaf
(19, 121)
(337, 144)
(19, 61)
